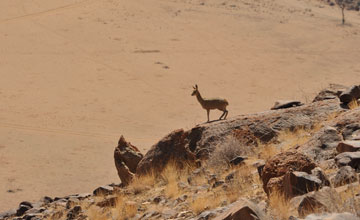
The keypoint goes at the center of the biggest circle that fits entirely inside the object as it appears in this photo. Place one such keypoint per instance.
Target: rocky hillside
(295, 161)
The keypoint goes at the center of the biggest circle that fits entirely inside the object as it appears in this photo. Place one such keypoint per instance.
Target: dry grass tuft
(353, 104)
(141, 184)
(279, 206)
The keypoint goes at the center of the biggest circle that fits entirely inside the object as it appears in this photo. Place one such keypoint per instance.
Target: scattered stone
(103, 190)
(332, 216)
(229, 177)
(348, 159)
(299, 183)
(319, 173)
(237, 160)
(218, 183)
(345, 175)
(281, 104)
(242, 209)
(350, 94)
(348, 146)
(46, 200)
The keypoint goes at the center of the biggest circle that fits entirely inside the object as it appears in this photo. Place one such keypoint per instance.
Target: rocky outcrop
(169, 149)
(283, 163)
(126, 158)
(332, 92)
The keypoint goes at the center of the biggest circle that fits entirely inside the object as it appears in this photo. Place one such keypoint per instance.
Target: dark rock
(237, 160)
(218, 183)
(299, 183)
(283, 163)
(126, 157)
(23, 207)
(348, 146)
(158, 199)
(103, 190)
(46, 200)
(242, 209)
(171, 148)
(349, 159)
(333, 92)
(350, 94)
(230, 177)
(345, 175)
(286, 104)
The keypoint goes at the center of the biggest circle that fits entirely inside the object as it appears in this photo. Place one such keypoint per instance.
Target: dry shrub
(95, 212)
(280, 207)
(347, 201)
(230, 148)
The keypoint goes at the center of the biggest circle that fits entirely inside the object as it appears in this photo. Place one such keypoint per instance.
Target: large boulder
(126, 158)
(315, 202)
(283, 163)
(242, 209)
(169, 149)
(348, 146)
(299, 183)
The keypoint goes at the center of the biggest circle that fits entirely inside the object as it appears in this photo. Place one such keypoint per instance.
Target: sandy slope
(76, 74)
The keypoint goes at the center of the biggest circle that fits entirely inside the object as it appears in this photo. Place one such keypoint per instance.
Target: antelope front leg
(226, 113)
(208, 112)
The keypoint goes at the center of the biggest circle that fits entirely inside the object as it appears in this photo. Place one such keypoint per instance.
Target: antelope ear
(196, 87)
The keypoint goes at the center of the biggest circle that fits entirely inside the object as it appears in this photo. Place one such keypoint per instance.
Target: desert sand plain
(77, 74)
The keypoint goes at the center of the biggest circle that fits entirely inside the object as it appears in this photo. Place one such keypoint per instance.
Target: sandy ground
(77, 74)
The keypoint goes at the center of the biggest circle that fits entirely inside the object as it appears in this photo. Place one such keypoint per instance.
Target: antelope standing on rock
(214, 103)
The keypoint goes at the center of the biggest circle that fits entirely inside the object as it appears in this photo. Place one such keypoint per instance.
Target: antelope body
(214, 103)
